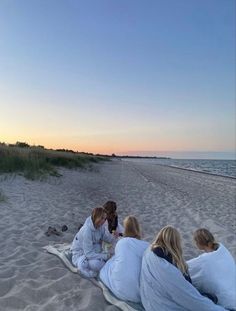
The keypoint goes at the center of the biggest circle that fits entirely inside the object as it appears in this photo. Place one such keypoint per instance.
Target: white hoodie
(88, 241)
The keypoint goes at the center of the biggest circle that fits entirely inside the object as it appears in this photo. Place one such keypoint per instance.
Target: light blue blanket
(63, 252)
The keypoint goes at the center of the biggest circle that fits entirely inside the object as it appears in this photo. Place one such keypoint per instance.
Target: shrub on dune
(34, 162)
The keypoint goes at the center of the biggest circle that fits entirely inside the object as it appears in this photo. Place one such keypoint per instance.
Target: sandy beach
(31, 279)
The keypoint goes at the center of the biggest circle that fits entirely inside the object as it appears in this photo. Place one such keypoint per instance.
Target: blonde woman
(214, 271)
(121, 273)
(165, 284)
(87, 254)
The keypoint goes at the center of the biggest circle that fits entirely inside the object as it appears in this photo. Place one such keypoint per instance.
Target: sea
(217, 167)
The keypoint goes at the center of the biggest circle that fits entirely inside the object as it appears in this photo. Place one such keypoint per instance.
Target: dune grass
(35, 162)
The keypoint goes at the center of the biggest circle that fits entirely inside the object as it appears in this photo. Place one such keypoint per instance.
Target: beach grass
(35, 162)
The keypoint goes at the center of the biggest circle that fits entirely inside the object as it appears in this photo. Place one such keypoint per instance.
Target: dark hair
(110, 207)
(112, 219)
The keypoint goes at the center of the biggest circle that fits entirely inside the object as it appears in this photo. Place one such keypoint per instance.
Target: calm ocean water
(218, 167)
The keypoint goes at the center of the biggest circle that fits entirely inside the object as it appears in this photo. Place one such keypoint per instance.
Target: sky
(152, 77)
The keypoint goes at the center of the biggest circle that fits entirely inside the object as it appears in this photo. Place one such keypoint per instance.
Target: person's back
(121, 273)
(77, 243)
(163, 285)
(214, 272)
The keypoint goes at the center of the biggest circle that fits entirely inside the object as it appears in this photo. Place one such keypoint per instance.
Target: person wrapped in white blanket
(214, 272)
(87, 253)
(165, 284)
(121, 273)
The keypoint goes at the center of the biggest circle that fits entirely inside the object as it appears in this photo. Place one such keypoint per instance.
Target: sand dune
(31, 279)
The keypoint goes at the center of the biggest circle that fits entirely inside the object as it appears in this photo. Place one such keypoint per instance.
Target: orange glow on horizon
(98, 147)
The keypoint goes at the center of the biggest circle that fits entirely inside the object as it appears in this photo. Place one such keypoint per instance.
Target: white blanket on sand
(63, 252)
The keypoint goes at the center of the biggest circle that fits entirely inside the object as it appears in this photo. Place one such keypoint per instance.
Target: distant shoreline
(141, 157)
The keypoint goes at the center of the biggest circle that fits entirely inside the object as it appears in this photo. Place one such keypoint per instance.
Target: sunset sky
(152, 77)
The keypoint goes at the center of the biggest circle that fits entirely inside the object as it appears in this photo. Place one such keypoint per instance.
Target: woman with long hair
(214, 271)
(165, 283)
(121, 273)
(112, 222)
(87, 253)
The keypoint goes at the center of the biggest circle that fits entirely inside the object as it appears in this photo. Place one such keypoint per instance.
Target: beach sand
(31, 279)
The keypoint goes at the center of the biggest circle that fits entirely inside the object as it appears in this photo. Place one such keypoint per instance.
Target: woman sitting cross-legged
(87, 253)
(121, 273)
(165, 284)
(214, 272)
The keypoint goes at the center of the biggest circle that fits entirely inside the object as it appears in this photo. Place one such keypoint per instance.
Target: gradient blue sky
(119, 76)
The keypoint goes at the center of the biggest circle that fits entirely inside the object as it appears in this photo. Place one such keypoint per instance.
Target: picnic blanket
(63, 252)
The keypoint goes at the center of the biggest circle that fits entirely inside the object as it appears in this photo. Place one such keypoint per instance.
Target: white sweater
(88, 241)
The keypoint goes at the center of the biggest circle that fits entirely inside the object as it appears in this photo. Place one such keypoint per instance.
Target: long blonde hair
(169, 240)
(132, 227)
